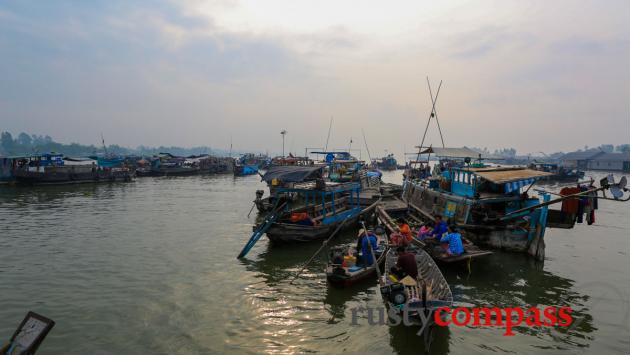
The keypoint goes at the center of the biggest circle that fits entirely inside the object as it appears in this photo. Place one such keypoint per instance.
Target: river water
(149, 267)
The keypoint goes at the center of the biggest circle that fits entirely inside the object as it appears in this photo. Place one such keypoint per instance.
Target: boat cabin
(325, 204)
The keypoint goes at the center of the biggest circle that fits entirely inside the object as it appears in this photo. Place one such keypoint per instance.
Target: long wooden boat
(414, 218)
(344, 276)
(425, 294)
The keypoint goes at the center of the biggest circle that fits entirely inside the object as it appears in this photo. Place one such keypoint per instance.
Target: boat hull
(344, 280)
(168, 172)
(59, 178)
(286, 233)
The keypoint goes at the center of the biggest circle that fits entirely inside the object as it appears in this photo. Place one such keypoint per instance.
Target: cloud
(196, 72)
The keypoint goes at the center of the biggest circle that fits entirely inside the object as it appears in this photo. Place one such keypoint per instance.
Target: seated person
(452, 242)
(398, 239)
(424, 232)
(405, 231)
(439, 229)
(368, 240)
(405, 265)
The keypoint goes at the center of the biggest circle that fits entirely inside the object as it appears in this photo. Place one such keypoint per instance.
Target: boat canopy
(293, 173)
(512, 178)
(463, 152)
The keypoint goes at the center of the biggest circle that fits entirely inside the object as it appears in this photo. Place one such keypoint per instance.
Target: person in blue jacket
(452, 242)
(440, 227)
(369, 239)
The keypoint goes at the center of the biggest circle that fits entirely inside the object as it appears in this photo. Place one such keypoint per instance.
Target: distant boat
(166, 164)
(559, 173)
(46, 169)
(249, 164)
(387, 163)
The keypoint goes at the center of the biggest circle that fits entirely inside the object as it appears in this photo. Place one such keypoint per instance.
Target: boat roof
(502, 175)
(585, 155)
(293, 173)
(463, 152)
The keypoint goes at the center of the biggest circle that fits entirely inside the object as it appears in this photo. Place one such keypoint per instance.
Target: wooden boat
(249, 164)
(481, 200)
(344, 276)
(558, 172)
(327, 206)
(53, 169)
(387, 163)
(334, 207)
(166, 164)
(414, 219)
(425, 294)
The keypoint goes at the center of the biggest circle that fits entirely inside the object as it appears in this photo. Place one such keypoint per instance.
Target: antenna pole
(366, 145)
(103, 141)
(329, 128)
(433, 110)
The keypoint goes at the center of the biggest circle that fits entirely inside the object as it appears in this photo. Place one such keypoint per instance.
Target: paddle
(250, 211)
(329, 238)
(320, 248)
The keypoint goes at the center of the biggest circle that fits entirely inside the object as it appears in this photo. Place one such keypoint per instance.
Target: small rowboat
(418, 297)
(345, 276)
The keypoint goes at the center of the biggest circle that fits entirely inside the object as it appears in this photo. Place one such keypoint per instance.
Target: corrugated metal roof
(613, 157)
(581, 155)
(510, 175)
(463, 152)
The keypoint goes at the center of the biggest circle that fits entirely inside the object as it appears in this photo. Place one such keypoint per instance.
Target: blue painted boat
(480, 200)
(326, 207)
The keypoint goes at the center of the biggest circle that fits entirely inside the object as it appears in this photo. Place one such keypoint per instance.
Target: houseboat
(47, 169)
(166, 164)
(387, 163)
(558, 173)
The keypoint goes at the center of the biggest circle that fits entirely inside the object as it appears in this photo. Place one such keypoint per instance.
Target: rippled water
(149, 267)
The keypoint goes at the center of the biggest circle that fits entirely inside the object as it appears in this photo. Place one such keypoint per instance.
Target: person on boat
(405, 264)
(424, 232)
(405, 231)
(452, 242)
(439, 228)
(398, 239)
(368, 240)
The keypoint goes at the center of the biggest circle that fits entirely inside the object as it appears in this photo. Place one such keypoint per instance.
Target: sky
(534, 75)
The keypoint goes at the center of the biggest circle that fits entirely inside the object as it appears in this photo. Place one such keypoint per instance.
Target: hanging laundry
(570, 205)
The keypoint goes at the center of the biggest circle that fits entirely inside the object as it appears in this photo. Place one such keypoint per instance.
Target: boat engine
(394, 293)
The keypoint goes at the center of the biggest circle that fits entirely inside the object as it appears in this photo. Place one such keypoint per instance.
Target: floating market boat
(341, 166)
(308, 211)
(48, 169)
(418, 297)
(492, 207)
(558, 172)
(278, 177)
(326, 205)
(249, 164)
(386, 163)
(166, 164)
(342, 269)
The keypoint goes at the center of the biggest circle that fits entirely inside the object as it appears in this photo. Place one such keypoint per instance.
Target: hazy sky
(541, 75)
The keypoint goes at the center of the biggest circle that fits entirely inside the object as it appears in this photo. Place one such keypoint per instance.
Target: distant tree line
(26, 144)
